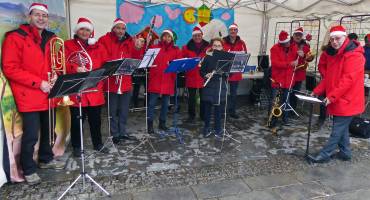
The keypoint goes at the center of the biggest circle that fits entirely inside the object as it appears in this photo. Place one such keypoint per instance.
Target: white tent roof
(249, 14)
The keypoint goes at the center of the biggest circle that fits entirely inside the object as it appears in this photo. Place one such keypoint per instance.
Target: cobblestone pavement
(261, 167)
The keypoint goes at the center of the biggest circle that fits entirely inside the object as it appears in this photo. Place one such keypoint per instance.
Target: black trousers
(193, 102)
(93, 114)
(32, 123)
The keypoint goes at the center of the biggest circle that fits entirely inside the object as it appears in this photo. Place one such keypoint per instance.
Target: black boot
(162, 125)
(150, 127)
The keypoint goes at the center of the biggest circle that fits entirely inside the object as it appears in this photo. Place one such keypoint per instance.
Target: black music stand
(178, 66)
(146, 63)
(236, 65)
(117, 68)
(311, 101)
(79, 84)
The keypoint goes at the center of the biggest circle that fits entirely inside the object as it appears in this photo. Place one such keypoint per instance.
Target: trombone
(58, 66)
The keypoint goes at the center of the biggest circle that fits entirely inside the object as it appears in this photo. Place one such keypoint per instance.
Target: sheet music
(149, 58)
(240, 62)
(308, 98)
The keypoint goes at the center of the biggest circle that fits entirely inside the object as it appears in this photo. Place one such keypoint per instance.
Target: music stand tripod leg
(83, 173)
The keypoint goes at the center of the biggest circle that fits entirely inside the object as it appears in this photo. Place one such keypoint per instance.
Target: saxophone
(276, 111)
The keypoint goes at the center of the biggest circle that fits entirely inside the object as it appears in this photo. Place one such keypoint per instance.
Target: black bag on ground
(360, 128)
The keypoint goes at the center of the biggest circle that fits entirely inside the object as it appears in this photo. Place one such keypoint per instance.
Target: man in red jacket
(118, 44)
(196, 47)
(343, 85)
(283, 61)
(303, 50)
(233, 43)
(26, 64)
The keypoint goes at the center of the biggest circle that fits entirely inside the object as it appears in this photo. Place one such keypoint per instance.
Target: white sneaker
(33, 179)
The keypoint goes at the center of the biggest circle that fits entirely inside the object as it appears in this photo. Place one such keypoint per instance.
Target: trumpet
(119, 82)
(81, 58)
(308, 58)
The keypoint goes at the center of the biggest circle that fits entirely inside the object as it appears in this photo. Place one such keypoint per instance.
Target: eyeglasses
(336, 39)
(40, 15)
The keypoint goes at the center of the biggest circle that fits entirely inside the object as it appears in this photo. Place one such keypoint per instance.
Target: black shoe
(116, 140)
(150, 127)
(318, 159)
(234, 115)
(162, 126)
(76, 152)
(127, 137)
(341, 156)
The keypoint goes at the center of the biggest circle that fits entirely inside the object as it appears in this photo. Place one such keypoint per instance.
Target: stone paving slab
(342, 169)
(342, 184)
(303, 191)
(220, 189)
(262, 182)
(180, 193)
(356, 195)
(255, 195)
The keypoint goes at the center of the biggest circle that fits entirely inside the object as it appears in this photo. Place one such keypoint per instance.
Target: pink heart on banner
(172, 14)
(226, 16)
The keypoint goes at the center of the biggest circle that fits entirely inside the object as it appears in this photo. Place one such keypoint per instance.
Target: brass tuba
(58, 66)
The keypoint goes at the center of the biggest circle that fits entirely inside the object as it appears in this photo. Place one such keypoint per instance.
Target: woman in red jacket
(196, 47)
(344, 90)
(161, 83)
(233, 43)
(117, 44)
(91, 101)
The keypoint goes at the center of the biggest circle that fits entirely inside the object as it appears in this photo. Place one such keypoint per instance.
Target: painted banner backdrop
(180, 19)
(13, 13)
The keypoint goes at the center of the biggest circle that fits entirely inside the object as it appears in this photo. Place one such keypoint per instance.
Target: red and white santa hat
(84, 22)
(118, 21)
(168, 31)
(234, 25)
(39, 6)
(337, 31)
(283, 37)
(197, 30)
(298, 30)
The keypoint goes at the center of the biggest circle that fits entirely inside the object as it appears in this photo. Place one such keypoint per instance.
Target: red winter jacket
(281, 70)
(343, 83)
(237, 46)
(300, 74)
(159, 81)
(117, 49)
(98, 56)
(192, 77)
(26, 62)
(323, 61)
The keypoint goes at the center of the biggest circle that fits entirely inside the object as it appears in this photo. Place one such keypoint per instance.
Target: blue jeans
(339, 137)
(283, 97)
(153, 98)
(232, 97)
(217, 115)
(118, 108)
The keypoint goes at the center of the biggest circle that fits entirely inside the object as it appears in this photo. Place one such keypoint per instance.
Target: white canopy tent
(256, 18)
